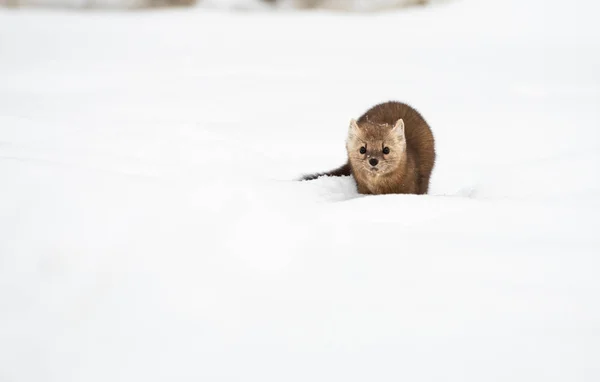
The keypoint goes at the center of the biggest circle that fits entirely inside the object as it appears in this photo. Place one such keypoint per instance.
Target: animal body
(391, 150)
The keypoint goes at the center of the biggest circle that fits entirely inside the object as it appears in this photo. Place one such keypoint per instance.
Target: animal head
(376, 149)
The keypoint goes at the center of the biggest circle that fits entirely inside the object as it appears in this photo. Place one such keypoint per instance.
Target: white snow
(152, 228)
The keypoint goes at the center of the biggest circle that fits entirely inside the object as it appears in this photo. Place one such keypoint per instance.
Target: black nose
(373, 162)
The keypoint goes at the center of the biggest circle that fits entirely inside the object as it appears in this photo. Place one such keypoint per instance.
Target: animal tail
(341, 171)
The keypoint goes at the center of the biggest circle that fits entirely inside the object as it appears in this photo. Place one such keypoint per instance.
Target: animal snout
(373, 162)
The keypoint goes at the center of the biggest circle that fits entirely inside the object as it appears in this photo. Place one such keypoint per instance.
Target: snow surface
(153, 230)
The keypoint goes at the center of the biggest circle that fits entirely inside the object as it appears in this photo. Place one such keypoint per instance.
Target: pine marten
(390, 151)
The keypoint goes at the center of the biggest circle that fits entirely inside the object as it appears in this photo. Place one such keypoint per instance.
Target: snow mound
(152, 228)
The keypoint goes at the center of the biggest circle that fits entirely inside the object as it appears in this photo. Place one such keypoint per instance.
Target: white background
(152, 228)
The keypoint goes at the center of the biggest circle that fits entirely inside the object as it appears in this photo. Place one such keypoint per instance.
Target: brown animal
(391, 150)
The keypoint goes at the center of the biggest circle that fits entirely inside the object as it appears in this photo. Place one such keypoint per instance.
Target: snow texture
(152, 228)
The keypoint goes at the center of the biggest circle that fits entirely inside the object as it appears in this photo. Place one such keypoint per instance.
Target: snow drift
(152, 228)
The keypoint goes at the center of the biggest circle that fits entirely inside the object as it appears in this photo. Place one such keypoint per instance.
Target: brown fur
(406, 169)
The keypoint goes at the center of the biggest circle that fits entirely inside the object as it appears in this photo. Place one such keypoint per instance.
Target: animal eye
(386, 150)
(363, 150)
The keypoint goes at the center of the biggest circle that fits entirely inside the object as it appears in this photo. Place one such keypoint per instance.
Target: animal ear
(398, 128)
(353, 129)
